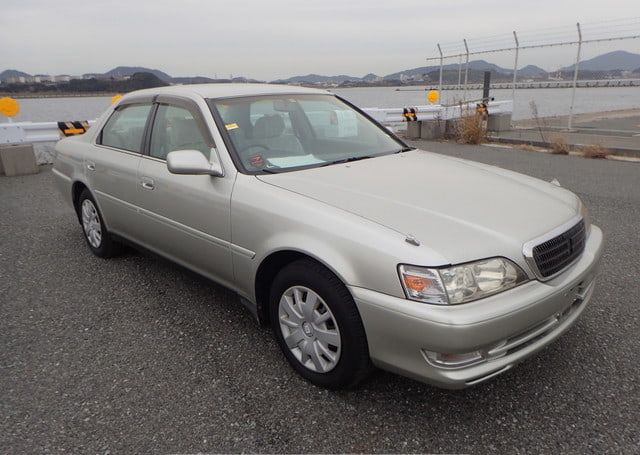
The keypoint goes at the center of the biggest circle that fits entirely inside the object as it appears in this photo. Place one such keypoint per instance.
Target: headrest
(268, 126)
(185, 131)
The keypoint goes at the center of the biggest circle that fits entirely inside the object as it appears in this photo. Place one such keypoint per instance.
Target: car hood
(459, 209)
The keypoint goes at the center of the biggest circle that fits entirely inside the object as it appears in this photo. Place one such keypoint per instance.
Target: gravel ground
(137, 355)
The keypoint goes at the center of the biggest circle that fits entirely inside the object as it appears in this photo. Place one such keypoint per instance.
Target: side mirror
(192, 162)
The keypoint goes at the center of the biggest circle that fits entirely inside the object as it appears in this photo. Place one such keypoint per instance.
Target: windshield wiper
(271, 170)
(346, 160)
(405, 149)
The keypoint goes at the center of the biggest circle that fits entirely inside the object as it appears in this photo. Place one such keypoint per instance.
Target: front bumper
(506, 328)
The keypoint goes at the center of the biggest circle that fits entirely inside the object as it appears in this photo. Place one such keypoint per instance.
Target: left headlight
(460, 283)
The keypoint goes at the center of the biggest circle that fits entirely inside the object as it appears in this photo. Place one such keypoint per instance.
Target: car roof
(227, 90)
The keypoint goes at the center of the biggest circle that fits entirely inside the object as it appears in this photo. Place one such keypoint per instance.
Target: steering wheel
(249, 147)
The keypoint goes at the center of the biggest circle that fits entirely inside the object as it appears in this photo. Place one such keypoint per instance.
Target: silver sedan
(358, 250)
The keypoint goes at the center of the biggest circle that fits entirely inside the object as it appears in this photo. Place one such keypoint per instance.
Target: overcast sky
(280, 38)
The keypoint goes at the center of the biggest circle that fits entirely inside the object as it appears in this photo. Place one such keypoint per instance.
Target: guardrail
(31, 132)
(393, 115)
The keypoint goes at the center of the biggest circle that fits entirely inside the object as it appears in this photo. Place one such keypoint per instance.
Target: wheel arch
(76, 190)
(269, 268)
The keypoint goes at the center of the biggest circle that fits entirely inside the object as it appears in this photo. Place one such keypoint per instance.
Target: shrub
(559, 146)
(595, 151)
(471, 129)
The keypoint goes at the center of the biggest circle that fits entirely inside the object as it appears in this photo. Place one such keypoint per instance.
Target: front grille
(554, 255)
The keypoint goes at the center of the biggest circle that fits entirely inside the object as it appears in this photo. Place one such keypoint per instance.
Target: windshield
(284, 132)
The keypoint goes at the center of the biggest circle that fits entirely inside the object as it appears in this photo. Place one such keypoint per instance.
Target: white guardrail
(21, 132)
(32, 132)
(434, 112)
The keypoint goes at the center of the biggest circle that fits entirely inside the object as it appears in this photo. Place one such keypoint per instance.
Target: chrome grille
(553, 255)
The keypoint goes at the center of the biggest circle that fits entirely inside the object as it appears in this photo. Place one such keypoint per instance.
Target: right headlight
(460, 283)
(584, 212)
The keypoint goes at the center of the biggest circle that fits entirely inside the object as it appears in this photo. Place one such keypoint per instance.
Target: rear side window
(175, 128)
(125, 128)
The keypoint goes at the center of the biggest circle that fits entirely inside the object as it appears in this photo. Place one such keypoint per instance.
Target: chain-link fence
(560, 74)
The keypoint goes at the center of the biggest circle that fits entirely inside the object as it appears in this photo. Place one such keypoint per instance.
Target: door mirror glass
(191, 162)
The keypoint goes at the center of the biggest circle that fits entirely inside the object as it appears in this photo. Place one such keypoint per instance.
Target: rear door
(185, 217)
(111, 166)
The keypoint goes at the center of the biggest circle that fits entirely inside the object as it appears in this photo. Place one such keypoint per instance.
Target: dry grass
(470, 129)
(595, 151)
(559, 146)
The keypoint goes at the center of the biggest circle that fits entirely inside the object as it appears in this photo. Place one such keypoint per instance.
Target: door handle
(147, 185)
(91, 166)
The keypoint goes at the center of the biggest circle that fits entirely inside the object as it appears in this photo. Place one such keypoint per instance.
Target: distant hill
(317, 78)
(136, 81)
(370, 77)
(478, 65)
(123, 71)
(192, 80)
(616, 60)
(6, 74)
(613, 63)
(531, 71)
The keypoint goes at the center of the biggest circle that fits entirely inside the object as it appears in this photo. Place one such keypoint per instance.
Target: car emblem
(307, 329)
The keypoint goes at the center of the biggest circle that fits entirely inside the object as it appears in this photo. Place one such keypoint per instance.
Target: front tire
(317, 325)
(100, 242)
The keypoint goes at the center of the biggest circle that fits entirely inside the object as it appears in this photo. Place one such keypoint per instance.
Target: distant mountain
(616, 60)
(531, 71)
(477, 65)
(123, 71)
(613, 63)
(6, 74)
(192, 80)
(370, 77)
(317, 78)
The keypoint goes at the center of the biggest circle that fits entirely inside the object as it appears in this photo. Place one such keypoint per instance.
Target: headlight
(460, 283)
(584, 212)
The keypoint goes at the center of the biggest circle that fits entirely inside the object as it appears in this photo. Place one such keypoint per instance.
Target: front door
(111, 167)
(185, 217)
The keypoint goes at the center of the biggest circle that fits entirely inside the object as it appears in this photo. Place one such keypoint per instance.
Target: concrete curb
(615, 150)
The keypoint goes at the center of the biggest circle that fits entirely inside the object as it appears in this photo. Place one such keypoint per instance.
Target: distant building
(17, 80)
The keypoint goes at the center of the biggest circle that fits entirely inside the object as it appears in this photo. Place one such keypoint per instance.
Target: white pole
(441, 65)
(575, 77)
(466, 71)
(515, 69)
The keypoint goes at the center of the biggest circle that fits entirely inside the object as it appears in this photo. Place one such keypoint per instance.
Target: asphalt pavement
(137, 355)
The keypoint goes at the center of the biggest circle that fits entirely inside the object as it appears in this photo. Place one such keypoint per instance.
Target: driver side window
(175, 128)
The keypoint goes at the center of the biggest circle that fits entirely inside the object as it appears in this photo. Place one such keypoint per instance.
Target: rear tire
(99, 240)
(318, 327)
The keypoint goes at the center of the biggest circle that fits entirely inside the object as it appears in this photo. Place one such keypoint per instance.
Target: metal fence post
(441, 66)
(515, 69)
(459, 72)
(466, 71)
(575, 78)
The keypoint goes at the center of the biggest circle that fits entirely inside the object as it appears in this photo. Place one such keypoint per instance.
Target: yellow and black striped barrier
(410, 114)
(73, 128)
